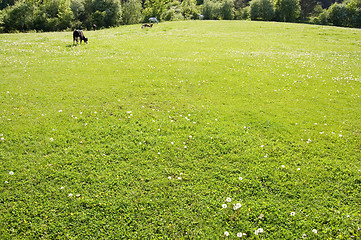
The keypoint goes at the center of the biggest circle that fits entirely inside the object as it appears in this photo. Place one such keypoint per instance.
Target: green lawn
(144, 134)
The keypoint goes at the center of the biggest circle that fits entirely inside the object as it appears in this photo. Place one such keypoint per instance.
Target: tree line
(58, 15)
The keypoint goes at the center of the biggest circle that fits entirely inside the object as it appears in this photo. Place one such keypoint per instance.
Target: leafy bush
(132, 12)
(287, 10)
(173, 12)
(321, 19)
(190, 9)
(338, 15)
(18, 17)
(227, 10)
(243, 13)
(211, 10)
(262, 10)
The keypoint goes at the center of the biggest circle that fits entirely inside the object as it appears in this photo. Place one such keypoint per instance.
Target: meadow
(187, 130)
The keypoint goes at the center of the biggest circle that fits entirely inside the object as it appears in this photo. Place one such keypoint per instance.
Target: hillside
(196, 129)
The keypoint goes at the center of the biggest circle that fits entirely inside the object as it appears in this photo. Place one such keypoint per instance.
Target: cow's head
(86, 40)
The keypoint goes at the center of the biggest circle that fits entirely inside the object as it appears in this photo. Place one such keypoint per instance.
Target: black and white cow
(78, 34)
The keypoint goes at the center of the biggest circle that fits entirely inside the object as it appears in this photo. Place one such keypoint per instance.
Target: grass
(144, 134)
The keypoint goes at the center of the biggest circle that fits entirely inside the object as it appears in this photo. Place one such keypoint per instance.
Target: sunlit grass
(149, 133)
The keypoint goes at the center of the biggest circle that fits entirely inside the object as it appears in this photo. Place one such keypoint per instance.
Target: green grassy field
(144, 134)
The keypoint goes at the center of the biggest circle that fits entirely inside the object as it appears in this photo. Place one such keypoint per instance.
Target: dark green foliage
(132, 12)
(287, 10)
(18, 17)
(189, 9)
(262, 10)
(211, 10)
(227, 10)
(338, 15)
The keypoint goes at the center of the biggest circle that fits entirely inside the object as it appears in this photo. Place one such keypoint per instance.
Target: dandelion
(314, 231)
(282, 166)
(240, 178)
(298, 169)
(169, 177)
(60, 110)
(262, 146)
(6, 182)
(237, 206)
(228, 199)
(226, 233)
(70, 195)
(239, 234)
(185, 146)
(224, 205)
(172, 143)
(51, 139)
(293, 213)
(61, 188)
(179, 178)
(11, 173)
(304, 236)
(2, 139)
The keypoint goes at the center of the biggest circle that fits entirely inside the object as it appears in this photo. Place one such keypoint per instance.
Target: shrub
(338, 14)
(211, 10)
(132, 12)
(243, 13)
(189, 9)
(227, 10)
(18, 17)
(261, 10)
(173, 12)
(321, 19)
(287, 10)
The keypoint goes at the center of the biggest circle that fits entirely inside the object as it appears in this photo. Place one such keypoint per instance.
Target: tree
(106, 13)
(132, 12)
(173, 12)
(338, 14)
(261, 10)
(227, 10)
(307, 7)
(18, 17)
(211, 10)
(287, 10)
(154, 8)
(6, 3)
(354, 13)
(189, 9)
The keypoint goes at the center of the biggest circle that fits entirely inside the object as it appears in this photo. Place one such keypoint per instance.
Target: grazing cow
(153, 20)
(79, 34)
(147, 25)
(94, 27)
